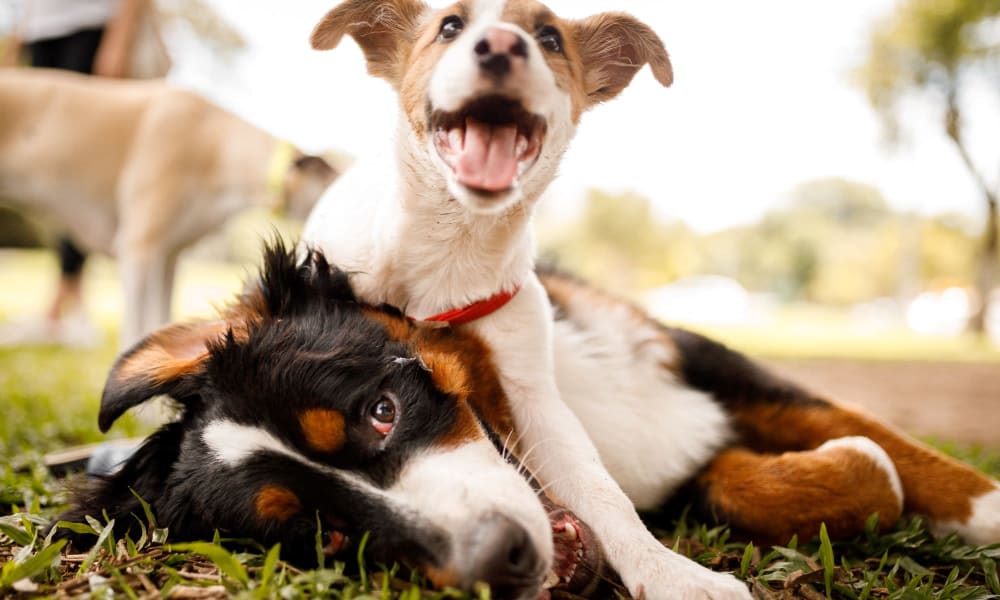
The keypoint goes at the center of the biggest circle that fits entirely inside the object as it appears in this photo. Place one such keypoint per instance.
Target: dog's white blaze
(456, 488)
(233, 443)
(612, 373)
(870, 448)
(982, 527)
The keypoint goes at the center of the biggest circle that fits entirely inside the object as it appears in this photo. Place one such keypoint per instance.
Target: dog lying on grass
(302, 403)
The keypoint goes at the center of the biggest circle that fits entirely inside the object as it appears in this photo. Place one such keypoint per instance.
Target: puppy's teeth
(456, 139)
(569, 532)
(550, 580)
(579, 554)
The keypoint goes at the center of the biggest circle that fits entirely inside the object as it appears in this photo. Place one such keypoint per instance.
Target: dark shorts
(73, 52)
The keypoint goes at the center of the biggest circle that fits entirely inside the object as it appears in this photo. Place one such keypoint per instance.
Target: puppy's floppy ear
(383, 29)
(160, 364)
(614, 47)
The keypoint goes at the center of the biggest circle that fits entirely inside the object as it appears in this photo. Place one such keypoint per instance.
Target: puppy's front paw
(660, 574)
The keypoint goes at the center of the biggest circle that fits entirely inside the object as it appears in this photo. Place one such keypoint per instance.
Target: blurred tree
(206, 24)
(617, 243)
(937, 48)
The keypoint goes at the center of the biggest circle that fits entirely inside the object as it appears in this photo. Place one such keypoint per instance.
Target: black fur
(309, 346)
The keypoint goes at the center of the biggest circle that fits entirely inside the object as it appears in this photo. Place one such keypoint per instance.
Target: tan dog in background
(139, 171)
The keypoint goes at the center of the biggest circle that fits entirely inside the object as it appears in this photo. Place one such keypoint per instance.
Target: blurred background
(818, 188)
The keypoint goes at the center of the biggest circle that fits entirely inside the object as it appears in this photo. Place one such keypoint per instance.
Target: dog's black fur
(310, 346)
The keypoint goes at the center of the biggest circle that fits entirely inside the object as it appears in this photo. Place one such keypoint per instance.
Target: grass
(49, 398)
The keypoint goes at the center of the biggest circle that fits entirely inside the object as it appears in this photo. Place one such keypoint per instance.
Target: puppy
(491, 92)
(140, 170)
(303, 408)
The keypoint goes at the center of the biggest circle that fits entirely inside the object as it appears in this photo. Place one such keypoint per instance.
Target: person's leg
(73, 52)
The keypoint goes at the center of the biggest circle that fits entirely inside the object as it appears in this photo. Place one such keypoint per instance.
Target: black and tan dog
(302, 401)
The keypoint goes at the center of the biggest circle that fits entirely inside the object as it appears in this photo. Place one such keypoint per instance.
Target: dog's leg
(775, 496)
(147, 280)
(557, 449)
(773, 415)
(952, 495)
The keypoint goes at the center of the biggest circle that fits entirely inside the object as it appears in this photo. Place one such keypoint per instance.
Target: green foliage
(927, 45)
(834, 242)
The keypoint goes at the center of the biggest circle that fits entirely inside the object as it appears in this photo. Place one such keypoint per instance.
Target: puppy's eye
(382, 414)
(550, 38)
(451, 26)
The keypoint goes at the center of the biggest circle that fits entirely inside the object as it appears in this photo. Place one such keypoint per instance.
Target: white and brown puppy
(140, 170)
(491, 92)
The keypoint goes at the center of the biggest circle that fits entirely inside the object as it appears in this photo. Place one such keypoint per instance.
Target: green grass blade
(92, 555)
(826, 558)
(361, 562)
(270, 566)
(32, 566)
(226, 562)
(745, 562)
(18, 535)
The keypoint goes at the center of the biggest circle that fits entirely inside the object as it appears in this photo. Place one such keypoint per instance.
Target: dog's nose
(498, 50)
(504, 556)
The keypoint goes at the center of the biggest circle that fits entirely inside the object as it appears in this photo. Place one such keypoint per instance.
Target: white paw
(983, 526)
(879, 456)
(661, 574)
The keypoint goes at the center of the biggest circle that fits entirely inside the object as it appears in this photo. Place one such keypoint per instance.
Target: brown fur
(323, 429)
(276, 503)
(773, 497)
(933, 484)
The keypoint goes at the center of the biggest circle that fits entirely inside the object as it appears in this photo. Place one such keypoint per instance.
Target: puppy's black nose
(498, 51)
(504, 557)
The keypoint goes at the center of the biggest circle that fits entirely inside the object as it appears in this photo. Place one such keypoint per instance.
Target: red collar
(476, 310)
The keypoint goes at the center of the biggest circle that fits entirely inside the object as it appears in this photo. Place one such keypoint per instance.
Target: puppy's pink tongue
(489, 159)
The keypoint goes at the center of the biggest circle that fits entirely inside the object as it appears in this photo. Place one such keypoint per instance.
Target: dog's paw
(983, 525)
(660, 574)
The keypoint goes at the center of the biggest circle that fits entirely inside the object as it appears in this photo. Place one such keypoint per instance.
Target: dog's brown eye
(550, 38)
(451, 26)
(383, 415)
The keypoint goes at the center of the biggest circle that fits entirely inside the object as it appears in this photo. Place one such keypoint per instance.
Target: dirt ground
(951, 401)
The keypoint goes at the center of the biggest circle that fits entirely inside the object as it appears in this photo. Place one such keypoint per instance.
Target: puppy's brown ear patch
(447, 372)
(323, 429)
(276, 503)
(614, 47)
(382, 28)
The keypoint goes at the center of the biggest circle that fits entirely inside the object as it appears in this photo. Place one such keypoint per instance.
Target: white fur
(604, 356)
(478, 481)
(870, 448)
(395, 224)
(479, 484)
(982, 527)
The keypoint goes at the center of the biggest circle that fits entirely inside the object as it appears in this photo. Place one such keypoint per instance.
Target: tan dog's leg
(952, 495)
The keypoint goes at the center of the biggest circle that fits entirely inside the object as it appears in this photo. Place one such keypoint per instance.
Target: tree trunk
(987, 267)
(987, 264)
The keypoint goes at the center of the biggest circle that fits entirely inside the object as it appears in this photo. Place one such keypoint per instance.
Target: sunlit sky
(762, 101)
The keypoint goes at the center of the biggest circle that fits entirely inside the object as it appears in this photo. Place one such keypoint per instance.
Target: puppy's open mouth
(578, 563)
(489, 142)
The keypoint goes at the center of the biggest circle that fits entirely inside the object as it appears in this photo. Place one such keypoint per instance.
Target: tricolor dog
(612, 412)
(303, 407)
(140, 170)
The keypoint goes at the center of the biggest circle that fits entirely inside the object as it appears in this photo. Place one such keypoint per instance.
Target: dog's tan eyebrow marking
(323, 429)
(277, 503)
(447, 372)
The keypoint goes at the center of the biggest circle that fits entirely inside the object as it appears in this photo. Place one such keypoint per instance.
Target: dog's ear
(160, 364)
(614, 47)
(383, 29)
